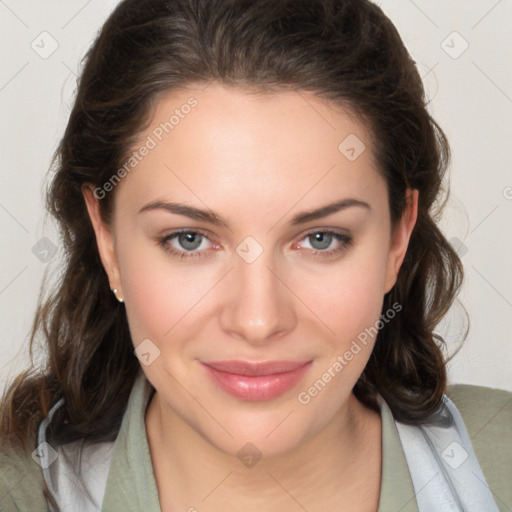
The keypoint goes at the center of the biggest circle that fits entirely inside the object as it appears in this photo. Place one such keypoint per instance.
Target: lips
(256, 381)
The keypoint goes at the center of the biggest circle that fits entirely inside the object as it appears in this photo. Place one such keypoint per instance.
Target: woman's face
(255, 323)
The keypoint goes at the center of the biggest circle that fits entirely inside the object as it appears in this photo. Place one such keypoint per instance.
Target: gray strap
(76, 473)
(444, 469)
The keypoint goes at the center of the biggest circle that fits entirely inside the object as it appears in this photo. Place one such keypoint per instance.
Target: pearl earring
(115, 293)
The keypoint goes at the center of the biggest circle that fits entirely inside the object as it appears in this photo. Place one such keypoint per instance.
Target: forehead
(207, 141)
(246, 116)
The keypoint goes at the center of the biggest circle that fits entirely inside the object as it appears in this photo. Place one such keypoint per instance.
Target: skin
(256, 160)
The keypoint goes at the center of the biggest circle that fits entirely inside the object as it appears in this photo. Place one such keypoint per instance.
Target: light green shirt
(131, 485)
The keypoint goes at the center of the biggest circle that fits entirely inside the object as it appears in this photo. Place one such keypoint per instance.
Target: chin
(268, 429)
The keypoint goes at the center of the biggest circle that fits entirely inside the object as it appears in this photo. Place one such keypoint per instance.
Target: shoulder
(487, 414)
(482, 407)
(21, 484)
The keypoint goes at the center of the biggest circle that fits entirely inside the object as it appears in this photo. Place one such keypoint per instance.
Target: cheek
(350, 306)
(160, 294)
(348, 295)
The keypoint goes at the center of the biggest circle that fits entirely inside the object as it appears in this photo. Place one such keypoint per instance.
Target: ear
(400, 238)
(104, 239)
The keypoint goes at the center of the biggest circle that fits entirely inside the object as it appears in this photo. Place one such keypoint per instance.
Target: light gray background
(471, 97)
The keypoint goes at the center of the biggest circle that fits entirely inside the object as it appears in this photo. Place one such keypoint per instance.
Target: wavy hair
(346, 51)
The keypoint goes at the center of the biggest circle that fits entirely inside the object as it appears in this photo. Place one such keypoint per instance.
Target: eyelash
(345, 240)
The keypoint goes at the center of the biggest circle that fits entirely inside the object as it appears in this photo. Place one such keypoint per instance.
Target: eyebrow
(208, 216)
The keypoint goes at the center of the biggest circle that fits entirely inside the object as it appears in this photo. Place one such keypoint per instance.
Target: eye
(190, 244)
(322, 242)
(186, 243)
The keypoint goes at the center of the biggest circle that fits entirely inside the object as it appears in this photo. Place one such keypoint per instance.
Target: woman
(253, 277)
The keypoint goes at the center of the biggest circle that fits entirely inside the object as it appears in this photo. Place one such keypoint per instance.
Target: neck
(339, 462)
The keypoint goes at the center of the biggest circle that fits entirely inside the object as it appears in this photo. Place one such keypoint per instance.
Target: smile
(256, 381)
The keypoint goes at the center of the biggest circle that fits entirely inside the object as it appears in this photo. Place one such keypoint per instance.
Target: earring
(115, 293)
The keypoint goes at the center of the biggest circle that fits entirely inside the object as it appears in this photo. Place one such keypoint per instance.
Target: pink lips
(256, 381)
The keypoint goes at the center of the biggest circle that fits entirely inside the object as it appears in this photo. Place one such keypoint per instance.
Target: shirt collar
(131, 484)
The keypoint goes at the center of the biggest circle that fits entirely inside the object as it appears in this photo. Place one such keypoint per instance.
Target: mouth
(256, 381)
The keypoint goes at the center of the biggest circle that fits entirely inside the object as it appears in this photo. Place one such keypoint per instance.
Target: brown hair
(346, 51)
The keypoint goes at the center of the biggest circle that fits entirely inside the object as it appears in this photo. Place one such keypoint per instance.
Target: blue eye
(322, 240)
(190, 241)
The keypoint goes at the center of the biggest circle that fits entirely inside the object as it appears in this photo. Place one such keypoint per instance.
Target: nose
(260, 307)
